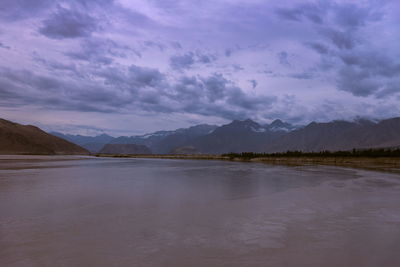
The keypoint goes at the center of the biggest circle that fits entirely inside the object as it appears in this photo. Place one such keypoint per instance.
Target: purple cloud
(204, 61)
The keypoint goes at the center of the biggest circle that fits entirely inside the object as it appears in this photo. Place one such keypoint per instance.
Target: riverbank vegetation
(355, 153)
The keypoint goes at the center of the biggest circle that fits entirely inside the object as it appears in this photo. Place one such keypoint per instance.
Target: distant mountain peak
(364, 121)
(104, 135)
(277, 121)
(247, 124)
(279, 125)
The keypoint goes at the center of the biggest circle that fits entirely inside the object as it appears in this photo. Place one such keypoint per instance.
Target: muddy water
(65, 211)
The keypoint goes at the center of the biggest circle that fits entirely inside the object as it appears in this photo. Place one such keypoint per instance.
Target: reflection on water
(61, 211)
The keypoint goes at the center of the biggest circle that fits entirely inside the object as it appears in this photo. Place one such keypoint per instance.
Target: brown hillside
(27, 139)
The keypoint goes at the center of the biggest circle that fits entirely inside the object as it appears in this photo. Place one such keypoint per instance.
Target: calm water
(148, 212)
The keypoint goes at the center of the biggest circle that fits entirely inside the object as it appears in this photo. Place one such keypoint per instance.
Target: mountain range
(236, 136)
(92, 143)
(247, 135)
(340, 135)
(160, 142)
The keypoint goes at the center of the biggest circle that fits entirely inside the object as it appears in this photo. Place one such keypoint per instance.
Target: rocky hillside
(340, 135)
(237, 136)
(27, 139)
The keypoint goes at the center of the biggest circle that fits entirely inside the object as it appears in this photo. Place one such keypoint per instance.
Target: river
(82, 211)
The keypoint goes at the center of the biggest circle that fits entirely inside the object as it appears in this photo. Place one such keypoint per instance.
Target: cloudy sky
(127, 67)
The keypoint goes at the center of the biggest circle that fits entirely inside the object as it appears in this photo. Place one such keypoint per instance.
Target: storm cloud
(187, 60)
(211, 61)
(360, 66)
(67, 23)
(130, 89)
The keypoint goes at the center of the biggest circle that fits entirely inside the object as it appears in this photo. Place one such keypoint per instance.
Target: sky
(127, 67)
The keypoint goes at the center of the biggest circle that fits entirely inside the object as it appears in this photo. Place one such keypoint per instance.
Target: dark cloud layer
(4, 46)
(99, 51)
(66, 23)
(309, 11)
(283, 58)
(11, 10)
(361, 68)
(221, 59)
(134, 88)
(187, 60)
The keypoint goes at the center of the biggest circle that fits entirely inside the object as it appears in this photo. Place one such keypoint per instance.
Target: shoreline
(385, 164)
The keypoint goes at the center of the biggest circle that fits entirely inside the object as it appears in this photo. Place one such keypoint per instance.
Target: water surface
(71, 211)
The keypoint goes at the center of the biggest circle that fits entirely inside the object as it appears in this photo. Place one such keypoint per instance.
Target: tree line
(372, 153)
